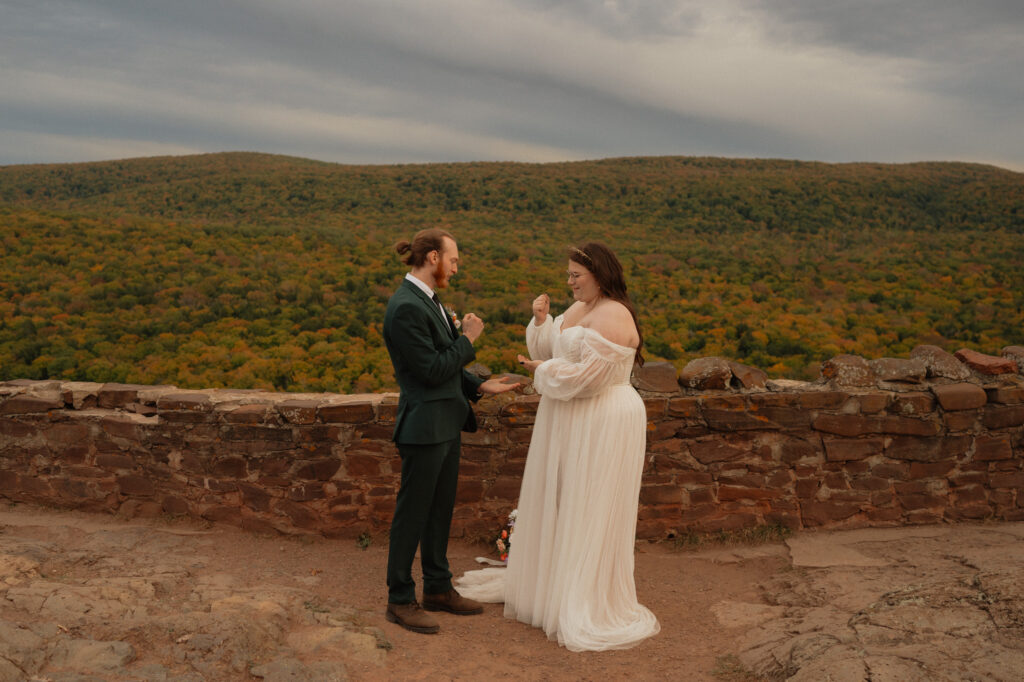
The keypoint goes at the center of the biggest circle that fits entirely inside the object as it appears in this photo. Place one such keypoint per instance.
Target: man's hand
(541, 306)
(472, 327)
(528, 363)
(502, 385)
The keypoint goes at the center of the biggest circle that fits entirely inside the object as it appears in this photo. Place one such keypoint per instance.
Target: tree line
(259, 271)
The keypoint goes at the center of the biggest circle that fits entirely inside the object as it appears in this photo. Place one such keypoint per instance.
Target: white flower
(455, 318)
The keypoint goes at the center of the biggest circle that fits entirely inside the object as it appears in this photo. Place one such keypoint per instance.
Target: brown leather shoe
(452, 602)
(411, 617)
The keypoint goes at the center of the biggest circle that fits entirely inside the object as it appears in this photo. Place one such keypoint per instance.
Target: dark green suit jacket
(428, 358)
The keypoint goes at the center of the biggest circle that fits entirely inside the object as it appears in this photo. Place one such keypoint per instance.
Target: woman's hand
(541, 307)
(528, 363)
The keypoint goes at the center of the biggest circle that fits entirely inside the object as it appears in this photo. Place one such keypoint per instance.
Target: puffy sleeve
(600, 366)
(541, 339)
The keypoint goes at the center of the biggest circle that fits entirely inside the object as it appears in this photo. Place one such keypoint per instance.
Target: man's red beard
(440, 278)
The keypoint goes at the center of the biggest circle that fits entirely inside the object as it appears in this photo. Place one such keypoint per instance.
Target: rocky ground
(90, 597)
(926, 603)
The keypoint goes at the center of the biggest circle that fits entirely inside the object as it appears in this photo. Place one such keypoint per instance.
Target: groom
(428, 354)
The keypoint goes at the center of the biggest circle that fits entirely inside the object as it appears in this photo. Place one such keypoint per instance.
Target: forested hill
(703, 194)
(252, 270)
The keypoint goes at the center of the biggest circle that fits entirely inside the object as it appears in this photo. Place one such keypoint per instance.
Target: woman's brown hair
(607, 270)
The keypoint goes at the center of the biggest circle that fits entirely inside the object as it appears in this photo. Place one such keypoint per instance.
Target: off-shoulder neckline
(604, 338)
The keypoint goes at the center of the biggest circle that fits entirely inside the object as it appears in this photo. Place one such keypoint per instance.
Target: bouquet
(504, 541)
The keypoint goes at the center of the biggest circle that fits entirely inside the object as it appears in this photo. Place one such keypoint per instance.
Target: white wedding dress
(570, 567)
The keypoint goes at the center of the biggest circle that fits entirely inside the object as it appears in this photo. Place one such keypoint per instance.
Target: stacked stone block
(932, 439)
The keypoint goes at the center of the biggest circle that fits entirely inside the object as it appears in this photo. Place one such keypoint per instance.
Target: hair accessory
(583, 254)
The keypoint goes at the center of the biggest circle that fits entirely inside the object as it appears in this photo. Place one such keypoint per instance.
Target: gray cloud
(531, 80)
(925, 28)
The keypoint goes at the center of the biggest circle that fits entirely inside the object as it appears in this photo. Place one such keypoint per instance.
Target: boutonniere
(455, 318)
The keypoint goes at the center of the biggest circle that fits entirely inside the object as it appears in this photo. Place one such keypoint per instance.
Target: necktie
(451, 325)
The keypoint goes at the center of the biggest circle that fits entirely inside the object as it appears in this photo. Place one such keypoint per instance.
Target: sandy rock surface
(88, 597)
(927, 603)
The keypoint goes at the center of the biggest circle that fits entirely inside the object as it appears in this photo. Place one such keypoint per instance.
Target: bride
(570, 570)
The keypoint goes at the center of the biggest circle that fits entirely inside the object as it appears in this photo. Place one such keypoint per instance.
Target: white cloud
(727, 68)
(395, 136)
(55, 148)
(530, 80)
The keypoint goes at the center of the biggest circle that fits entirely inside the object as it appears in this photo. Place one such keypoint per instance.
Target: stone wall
(894, 441)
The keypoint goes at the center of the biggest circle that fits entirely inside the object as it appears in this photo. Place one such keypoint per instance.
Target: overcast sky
(373, 81)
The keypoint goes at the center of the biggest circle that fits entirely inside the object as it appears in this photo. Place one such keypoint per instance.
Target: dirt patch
(216, 603)
(89, 597)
